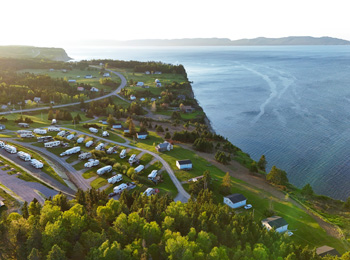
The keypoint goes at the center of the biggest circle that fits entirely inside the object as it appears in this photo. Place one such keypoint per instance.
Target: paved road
(181, 196)
(113, 93)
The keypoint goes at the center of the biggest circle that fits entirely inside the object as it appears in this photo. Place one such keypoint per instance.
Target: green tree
(110, 120)
(56, 253)
(226, 184)
(34, 254)
(307, 190)
(347, 203)
(50, 116)
(262, 163)
(277, 176)
(167, 135)
(253, 167)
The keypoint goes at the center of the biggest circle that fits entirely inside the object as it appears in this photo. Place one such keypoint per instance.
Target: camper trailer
(112, 150)
(149, 192)
(70, 137)
(27, 135)
(84, 156)
(24, 156)
(93, 130)
(52, 144)
(88, 144)
(80, 140)
(105, 134)
(152, 176)
(105, 169)
(37, 164)
(2, 144)
(119, 189)
(100, 146)
(10, 149)
(71, 151)
(54, 129)
(24, 132)
(122, 154)
(91, 163)
(44, 139)
(62, 133)
(116, 178)
(40, 131)
(132, 159)
(139, 168)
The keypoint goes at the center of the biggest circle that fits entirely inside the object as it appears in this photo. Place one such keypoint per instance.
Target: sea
(290, 103)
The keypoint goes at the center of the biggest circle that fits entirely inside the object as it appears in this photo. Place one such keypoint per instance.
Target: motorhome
(132, 159)
(24, 132)
(62, 133)
(27, 135)
(24, 156)
(119, 189)
(40, 131)
(93, 130)
(70, 137)
(122, 154)
(116, 178)
(149, 192)
(105, 169)
(10, 149)
(88, 144)
(152, 176)
(54, 129)
(112, 150)
(80, 140)
(91, 163)
(44, 139)
(37, 164)
(84, 156)
(100, 146)
(52, 144)
(139, 168)
(70, 151)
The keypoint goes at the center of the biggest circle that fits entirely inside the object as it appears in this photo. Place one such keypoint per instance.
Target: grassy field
(98, 183)
(77, 75)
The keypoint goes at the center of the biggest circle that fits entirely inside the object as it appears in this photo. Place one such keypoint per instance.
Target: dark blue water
(290, 103)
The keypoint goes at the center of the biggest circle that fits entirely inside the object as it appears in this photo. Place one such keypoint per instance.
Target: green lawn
(98, 183)
(90, 173)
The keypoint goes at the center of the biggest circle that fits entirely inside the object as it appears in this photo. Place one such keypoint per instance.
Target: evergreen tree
(226, 184)
(56, 253)
(50, 116)
(262, 163)
(307, 190)
(277, 176)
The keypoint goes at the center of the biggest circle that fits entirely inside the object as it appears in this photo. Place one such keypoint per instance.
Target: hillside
(55, 54)
(261, 41)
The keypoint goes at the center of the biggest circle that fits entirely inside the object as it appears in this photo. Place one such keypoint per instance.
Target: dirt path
(236, 170)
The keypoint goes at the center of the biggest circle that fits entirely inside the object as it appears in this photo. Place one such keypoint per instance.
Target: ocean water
(289, 103)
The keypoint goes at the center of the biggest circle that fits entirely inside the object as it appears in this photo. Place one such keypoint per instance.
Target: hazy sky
(57, 23)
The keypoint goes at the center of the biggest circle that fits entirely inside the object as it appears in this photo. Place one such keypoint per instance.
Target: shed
(276, 222)
(235, 200)
(141, 135)
(184, 164)
(140, 84)
(327, 250)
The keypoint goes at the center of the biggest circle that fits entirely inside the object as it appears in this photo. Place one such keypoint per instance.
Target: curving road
(113, 93)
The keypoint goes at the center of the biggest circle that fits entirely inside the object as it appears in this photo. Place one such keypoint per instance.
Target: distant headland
(20, 52)
(261, 41)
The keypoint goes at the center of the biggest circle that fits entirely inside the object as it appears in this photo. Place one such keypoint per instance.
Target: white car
(290, 233)
(248, 206)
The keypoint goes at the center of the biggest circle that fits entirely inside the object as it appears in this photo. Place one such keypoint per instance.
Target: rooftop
(237, 197)
(275, 221)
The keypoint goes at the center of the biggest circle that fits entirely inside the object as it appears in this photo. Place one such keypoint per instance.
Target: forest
(140, 227)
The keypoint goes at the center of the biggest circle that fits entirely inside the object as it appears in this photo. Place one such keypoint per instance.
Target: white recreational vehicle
(27, 135)
(24, 156)
(149, 192)
(105, 169)
(132, 158)
(116, 178)
(70, 137)
(80, 140)
(88, 144)
(91, 163)
(84, 156)
(44, 139)
(100, 146)
(122, 154)
(40, 131)
(53, 129)
(93, 130)
(10, 149)
(2, 144)
(152, 176)
(24, 132)
(37, 164)
(52, 144)
(139, 168)
(70, 151)
(105, 134)
(62, 133)
(119, 189)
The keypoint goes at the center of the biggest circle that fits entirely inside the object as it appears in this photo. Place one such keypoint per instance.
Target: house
(88, 76)
(2, 127)
(184, 164)
(158, 84)
(126, 130)
(80, 89)
(157, 81)
(141, 135)
(187, 109)
(140, 84)
(276, 222)
(235, 200)
(117, 126)
(93, 89)
(37, 99)
(166, 146)
(132, 97)
(72, 81)
(106, 74)
(147, 72)
(326, 250)
(3, 107)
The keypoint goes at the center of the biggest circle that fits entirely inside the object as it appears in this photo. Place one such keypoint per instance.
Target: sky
(55, 23)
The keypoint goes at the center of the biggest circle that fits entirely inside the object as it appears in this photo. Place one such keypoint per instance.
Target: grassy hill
(56, 54)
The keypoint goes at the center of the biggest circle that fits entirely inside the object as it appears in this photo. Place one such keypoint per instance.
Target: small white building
(117, 126)
(275, 222)
(157, 81)
(147, 72)
(142, 99)
(140, 84)
(37, 99)
(2, 127)
(106, 74)
(88, 77)
(132, 97)
(184, 164)
(235, 200)
(72, 81)
(93, 89)
(141, 135)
